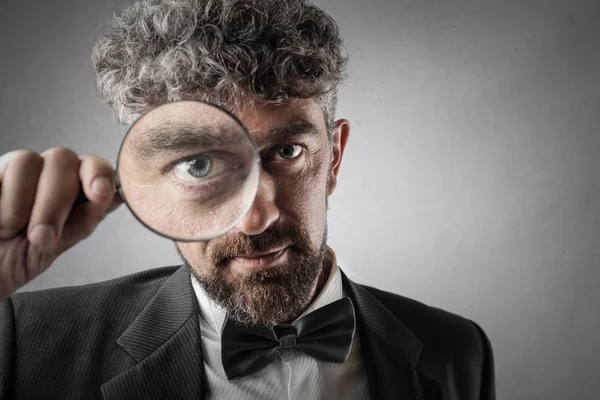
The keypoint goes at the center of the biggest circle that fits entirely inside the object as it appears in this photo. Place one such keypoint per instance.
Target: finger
(98, 178)
(19, 185)
(82, 222)
(6, 159)
(56, 192)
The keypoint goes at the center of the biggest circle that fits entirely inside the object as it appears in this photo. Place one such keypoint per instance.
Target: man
(261, 312)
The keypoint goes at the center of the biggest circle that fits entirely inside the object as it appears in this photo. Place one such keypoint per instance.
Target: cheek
(302, 195)
(195, 254)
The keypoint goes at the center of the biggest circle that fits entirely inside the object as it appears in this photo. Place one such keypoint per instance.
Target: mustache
(232, 245)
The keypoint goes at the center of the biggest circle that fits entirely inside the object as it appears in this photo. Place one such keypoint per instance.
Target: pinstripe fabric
(163, 339)
(385, 325)
(165, 373)
(65, 340)
(138, 338)
(7, 349)
(293, 375)
(168, 310)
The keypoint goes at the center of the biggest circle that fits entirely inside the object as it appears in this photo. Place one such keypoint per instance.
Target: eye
(289, 152)
(198, 168)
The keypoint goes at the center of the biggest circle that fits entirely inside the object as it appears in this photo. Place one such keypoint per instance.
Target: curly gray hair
(231, 52)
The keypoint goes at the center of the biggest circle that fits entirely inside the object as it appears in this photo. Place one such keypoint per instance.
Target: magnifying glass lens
(188, 170)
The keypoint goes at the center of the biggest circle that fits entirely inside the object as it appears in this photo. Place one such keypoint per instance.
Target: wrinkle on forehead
(268, 119)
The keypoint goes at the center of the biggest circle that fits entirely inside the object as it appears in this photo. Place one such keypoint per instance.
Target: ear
(340, 138)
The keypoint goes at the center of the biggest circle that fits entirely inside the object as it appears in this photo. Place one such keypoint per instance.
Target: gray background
(470, 181)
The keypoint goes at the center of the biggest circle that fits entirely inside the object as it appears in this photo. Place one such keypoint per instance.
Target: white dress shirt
(293, 375)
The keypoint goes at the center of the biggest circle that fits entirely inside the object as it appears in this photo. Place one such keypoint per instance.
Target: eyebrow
(296, 128)
(168, 139)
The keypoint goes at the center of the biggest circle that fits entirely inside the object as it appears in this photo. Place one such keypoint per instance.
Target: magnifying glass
(188, 170)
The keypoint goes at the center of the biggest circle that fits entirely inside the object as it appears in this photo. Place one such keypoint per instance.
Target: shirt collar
(215, 315)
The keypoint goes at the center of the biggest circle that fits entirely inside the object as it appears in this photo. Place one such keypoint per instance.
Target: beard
(262, 297)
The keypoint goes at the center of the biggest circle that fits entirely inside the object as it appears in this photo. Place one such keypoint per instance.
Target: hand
(39, 219)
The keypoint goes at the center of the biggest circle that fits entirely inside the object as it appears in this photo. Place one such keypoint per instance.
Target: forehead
(263, 119)
(182, 126)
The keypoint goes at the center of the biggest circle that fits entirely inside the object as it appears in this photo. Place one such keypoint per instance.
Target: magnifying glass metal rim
(257, 159)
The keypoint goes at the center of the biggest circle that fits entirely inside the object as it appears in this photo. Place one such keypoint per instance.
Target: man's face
(266, 269)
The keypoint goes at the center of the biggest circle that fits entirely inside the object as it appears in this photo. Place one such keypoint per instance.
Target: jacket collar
(390, 351)
(165, 342)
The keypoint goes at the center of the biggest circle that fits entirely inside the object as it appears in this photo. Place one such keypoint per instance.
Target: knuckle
(94, 163)
(88, 158)
(11, 157)
(15, 153)
(102, 163)
(25, 162)
(27, 154)
(62, 157)
(30, 159)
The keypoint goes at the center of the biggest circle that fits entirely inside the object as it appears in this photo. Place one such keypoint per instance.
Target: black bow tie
(325, 334)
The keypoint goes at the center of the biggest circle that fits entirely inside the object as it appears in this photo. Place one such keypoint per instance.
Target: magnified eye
(289, 151)
(197, 168)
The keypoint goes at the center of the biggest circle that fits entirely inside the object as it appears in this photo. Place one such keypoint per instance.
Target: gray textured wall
(471, 181)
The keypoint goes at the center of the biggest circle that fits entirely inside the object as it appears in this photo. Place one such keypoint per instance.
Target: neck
(319, 285)
(323, 277)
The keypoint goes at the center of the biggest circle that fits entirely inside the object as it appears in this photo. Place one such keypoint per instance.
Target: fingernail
(43, 235)
(6, 233)
(101, 186)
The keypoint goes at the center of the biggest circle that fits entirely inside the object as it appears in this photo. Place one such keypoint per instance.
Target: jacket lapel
(165, 342)
(389, 350)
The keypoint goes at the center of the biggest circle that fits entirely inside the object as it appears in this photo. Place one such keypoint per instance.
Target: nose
(263, 212)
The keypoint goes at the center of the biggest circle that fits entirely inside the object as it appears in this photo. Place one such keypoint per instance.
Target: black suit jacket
(138, 338)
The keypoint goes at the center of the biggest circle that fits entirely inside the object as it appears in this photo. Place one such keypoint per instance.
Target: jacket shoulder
(71, 332)
(143, 280)
(424, 320)
(450, 342)
(114, 302)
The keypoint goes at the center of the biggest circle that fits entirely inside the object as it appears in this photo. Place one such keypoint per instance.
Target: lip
(256, 261)
(261, 254)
